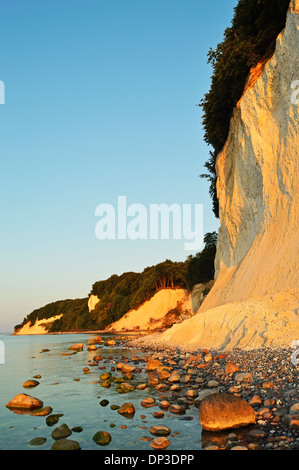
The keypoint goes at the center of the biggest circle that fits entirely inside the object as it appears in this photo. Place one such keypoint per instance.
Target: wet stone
(102, 438)
(77, 429)
(160, 443)
(37, 441)
(30, 383)
(61, 432)
(104, 402)
(160, 430)
(65, 444)
(127, 409)
(45, 411)
(53, 419)
(147, 402)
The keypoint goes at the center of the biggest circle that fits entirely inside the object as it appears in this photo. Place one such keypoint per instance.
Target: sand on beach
(268, 321)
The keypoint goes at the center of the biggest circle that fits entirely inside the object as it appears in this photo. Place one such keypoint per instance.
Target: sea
(79, 401)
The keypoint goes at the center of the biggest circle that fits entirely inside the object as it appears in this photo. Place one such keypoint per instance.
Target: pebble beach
(176, 382)
(267, 379)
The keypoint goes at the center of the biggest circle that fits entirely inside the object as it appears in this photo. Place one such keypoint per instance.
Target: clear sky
(100, 102)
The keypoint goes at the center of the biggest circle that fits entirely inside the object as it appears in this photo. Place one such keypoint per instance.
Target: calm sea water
(79, 401)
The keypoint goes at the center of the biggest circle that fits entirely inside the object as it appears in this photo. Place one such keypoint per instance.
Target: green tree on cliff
(250, 39)
(201, 266)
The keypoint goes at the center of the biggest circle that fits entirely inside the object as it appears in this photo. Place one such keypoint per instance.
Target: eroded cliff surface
(254, 301)
(257, 184)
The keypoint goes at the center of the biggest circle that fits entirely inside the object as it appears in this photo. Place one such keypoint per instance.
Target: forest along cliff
(254, 300)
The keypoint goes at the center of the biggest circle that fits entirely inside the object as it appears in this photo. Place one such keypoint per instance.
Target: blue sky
(100, 102)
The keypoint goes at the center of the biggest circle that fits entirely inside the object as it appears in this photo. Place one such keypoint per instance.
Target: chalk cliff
(39, 327)
(257, 269)
(93, 300)
(155, 313)
(257, 184)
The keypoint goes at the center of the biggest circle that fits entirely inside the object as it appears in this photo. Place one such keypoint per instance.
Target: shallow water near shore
(79, 401)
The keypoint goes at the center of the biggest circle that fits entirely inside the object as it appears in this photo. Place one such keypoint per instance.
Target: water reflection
(77, 395)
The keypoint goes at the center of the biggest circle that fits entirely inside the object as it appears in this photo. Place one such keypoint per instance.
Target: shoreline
(175, 382)
(79, 332)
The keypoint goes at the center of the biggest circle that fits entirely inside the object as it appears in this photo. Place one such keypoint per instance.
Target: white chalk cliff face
(40, 327)
(92, 302)
(151, 314)
(257, 254)
(257, 183)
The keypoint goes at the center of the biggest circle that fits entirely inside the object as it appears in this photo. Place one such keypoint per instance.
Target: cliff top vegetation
(120, 293)
(250, 39)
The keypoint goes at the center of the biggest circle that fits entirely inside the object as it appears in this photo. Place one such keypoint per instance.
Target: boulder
(98, 358)
(230, 368)
(163, 373)
(128, 368)
(148, 402)
(65, 444)
(177, 409)
(127, 409)
(45, 411)
(224, 411)
(105, 376)
(294, 409)
(153, 364)
(24, 401)
(175, 376)
(292, 421)
(243, 377)
(102, 438)
(160, 430)
(30, 383)
(255, 401)
(37, 441)
(76, 347)
(61, 432)
(125, 388)
(97, 339)
(53, 419)
(160, 443)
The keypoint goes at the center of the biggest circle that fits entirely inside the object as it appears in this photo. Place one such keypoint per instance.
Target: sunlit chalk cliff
(38, 328)
(153, 313)
(257, 184)
(92, 302)
(257, 271)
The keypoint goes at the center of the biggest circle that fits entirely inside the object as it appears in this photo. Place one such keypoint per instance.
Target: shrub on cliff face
(250, 39)
(201, 266)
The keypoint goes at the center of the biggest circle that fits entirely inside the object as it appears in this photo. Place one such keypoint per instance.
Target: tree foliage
(119, 294)
(75, 315)
(249, 40)
(200, 268)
